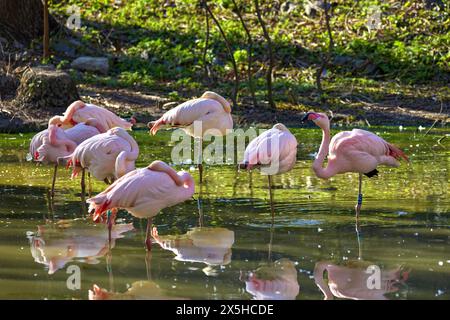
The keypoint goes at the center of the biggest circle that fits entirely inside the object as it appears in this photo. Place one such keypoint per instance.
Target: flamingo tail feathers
(397, 153)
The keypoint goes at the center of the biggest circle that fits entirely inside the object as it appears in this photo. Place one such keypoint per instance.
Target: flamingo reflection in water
(351, 281)
(358, 279)
(211, 246)
(273, 281)
(71, 240)
(139, 290)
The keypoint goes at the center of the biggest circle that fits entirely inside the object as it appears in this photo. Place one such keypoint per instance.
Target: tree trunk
(23, 20)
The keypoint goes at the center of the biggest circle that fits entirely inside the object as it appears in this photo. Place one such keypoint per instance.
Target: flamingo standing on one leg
(275, 150)
(144, 192)
(357, 151)
(107, 156)
(211, 109)
(50, 144)
(79, 111)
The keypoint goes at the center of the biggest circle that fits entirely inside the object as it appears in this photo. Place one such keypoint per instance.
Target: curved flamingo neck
(68, 115)
(56, 140)
(317, 166)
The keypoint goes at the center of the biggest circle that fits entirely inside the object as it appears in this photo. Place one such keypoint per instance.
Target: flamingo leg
(272, 209)
(200, 159)
(148, 267)
(360, 198)
(200, 208)
(148, 240)
(83, 193)
(83, 182)
(358, 237)
(52, 193)
(109, 223)
(89, 185)
(109, 269)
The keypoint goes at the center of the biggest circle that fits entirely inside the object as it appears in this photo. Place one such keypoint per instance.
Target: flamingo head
(320, 119)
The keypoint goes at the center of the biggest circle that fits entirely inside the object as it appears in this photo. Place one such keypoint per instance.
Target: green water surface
(404, 230)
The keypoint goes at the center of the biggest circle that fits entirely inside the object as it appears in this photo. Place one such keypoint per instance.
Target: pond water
(232, 251)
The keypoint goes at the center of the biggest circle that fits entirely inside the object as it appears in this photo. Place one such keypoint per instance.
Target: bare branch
(271, 58)
(230, 52)
(250, 54)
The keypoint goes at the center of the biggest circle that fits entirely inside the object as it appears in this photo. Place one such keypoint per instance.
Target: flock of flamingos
(93, 139)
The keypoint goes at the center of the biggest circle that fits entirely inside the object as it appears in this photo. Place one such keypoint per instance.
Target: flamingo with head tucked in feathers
(357, 151)
(275, 151)
(211, 110)
(106, 156)
(79, 111)
(143, 193)
(50, 144)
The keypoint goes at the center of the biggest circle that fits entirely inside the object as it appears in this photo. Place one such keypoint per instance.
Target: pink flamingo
(79, 111)
(50, 144)
(211, 110)
(107, 156)
(357, 151)
(274, 150)
(143, 193)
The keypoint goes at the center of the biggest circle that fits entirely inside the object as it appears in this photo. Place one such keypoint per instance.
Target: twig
(46, 30)
(271, 58)
(205, 50)
(230, 52)
(435, 121)
(250, 55)
(326, 60)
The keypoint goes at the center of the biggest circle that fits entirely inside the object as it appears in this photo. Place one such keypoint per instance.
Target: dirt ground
(390, 110)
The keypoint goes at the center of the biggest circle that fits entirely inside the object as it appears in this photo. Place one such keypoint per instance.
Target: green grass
(158, 47)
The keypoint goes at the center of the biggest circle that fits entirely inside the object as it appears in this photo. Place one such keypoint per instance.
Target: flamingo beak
(310, 116)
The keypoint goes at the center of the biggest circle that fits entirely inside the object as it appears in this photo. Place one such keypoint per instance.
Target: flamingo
(357, 151)
(50, 144)
(275, 150)
(211, 109)
(79, 111)
(107, 156)
(144, 192)
(273, 281)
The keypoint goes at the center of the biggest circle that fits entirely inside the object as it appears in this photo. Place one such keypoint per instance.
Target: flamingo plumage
(275, 151)
(106, 156)
(211, 110)
(79, 111)
(358, 151)
(144, 192)
(52, 143)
